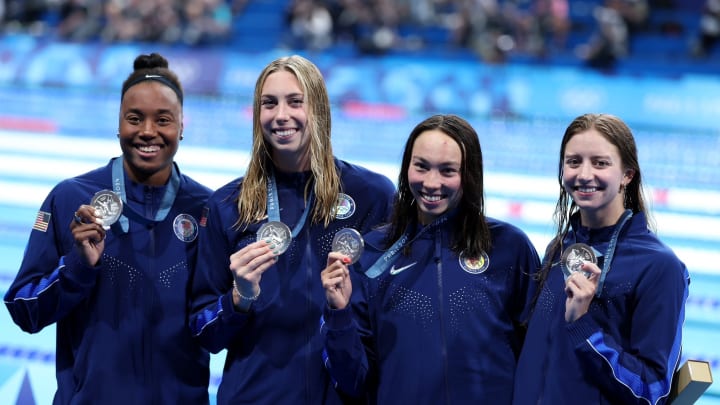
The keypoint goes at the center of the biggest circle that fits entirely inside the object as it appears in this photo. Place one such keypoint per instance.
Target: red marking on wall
(660, 196)
(27, 124)
(356, 109)
(515, 209)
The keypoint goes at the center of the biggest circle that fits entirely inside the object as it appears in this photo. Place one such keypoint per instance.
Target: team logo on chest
(345, 207)
(185, 227)
(474, 265)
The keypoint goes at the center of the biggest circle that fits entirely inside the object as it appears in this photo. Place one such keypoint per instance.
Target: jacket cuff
(338, 318)
(581, 329)
(77, 271)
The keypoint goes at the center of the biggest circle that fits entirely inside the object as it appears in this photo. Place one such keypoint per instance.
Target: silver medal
(349, 242)
(108, 206)
(574, 256)
(277, 233)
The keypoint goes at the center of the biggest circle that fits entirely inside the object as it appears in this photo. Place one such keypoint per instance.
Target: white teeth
(286, 132)
(149, 148)
(432, 198)
(587, 189)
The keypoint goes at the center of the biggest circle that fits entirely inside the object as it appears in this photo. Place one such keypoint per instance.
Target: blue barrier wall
(409, 85)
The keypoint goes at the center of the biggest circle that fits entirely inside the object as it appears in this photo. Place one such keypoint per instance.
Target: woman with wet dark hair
(440, 294)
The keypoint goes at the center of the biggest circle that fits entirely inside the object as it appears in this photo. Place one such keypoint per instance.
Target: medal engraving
(108, 206)
(278, 233)
(574, 256)
(349, 242)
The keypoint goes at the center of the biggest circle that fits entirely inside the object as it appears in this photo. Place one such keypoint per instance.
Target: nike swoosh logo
(394, 271)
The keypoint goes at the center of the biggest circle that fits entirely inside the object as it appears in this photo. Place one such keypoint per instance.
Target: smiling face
(434, 174)
(593, 175)
(284, 117)
(149, 131)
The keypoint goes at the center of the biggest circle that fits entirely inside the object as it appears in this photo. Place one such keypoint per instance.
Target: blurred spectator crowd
(490, 27)
(497, 29)
(191, 22)
(493, 30)
(709, 29)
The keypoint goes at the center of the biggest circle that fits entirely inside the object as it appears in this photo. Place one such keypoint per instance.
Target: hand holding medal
(104, 210)
(575, 256)
(349, 242)
(579, 290)
(108, 207)
(336, 277)
(277, 233)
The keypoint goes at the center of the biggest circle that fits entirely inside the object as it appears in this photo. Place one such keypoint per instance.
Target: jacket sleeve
(213, 317)
(528, 264)
(378, 192)
(52, 279)
(641, 369)
(385, 201)
(348, 350)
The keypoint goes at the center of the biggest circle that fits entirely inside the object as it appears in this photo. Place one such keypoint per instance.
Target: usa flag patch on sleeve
(41, 221)
(203, 216)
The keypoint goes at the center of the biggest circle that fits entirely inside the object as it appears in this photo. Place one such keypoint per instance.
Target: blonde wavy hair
(252, 201)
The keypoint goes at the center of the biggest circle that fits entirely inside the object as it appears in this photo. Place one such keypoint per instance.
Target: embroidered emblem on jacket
(185, 227)
(345, 207)
(474, 265)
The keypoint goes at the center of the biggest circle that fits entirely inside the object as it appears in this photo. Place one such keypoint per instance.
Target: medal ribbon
(273, 205)
(118, 174)
(389, 257)
(610, 252)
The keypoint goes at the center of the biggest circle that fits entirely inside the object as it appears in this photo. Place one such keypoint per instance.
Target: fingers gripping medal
(277, 233)
(349, 242)
(108, 206)
(575, 256)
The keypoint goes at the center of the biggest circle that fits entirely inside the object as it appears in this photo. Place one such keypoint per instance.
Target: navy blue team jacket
(625, 349)
(436, 327)
(274, 350)
(122, 332)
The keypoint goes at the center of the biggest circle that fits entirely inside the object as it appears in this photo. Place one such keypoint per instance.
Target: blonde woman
(257, 291)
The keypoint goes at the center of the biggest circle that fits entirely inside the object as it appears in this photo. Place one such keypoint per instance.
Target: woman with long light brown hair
(266, 237)
(607, 324)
